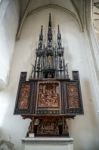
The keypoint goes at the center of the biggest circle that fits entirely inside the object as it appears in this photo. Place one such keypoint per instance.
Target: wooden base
(49, 126)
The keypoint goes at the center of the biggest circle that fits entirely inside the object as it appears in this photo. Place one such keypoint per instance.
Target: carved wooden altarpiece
(49, 97)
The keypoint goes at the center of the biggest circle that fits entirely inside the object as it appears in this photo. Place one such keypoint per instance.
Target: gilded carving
(24, 96)
(73, 97)
(48, 95)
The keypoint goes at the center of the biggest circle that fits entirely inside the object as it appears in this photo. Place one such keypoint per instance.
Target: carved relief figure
(49, 60)
(23, 97)
(73, 98)
(48, 127)
(48, 95)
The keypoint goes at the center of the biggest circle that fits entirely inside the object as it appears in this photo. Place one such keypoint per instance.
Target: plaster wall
(8, 27)
(93, 53)
(84, 129)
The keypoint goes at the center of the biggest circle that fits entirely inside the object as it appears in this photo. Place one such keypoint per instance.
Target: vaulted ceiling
(34, 4)
(73, 7)
(95, 16)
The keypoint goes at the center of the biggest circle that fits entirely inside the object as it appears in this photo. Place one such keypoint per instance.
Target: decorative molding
(48, 143)
(47, 140)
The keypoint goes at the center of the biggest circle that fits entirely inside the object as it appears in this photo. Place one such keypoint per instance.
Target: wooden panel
(73, 96)
(48, 98)
(74, 100)
(63, 97)
(33, 96)
(75, 75)
(23, 76)
(23, 98)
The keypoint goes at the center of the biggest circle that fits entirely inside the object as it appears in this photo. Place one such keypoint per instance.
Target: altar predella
(49, 97)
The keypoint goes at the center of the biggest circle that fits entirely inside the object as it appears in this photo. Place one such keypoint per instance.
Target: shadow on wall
(5, 144)
(1, 134)
(91, 113)
(14, 128)
(89, 105)
(85, 128)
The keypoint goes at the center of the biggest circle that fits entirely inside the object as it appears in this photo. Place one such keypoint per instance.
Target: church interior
(21, 23)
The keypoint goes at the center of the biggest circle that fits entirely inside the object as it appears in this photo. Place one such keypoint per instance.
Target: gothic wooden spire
(59, 42)
(40, 39)
(50, 29)
(50, 22)
(41, 34)
(58, 34)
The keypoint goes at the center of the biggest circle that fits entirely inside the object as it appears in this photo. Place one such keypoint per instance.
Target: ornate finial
(50, 29)
(59, 42)
(67, 74)
(58, 34)
(32, 72)
(50, 22)
(41, 34)
(58, 29)
(40, 44)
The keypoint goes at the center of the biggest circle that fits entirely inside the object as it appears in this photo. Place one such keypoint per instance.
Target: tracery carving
(49, 97)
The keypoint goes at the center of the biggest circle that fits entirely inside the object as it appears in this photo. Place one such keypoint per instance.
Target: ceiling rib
(27, 13)
(23, 19)
(77, 11)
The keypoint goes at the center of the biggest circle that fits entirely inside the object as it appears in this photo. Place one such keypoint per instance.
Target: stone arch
(27, 14)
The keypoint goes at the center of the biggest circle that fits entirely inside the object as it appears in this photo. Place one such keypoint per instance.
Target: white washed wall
(93, 53)
(84, 129)
(8, 27)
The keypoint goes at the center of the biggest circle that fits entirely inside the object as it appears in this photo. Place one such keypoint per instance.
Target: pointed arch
(27, 14)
